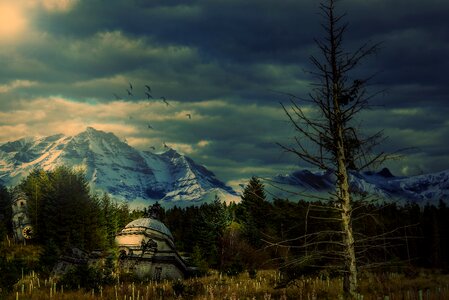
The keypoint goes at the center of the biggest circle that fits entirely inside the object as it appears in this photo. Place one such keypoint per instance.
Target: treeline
(64, 215)
(257, 233)
(250, 235)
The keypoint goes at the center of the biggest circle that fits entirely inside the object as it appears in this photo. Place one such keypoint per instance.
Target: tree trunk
(344, 199)
(350, 267)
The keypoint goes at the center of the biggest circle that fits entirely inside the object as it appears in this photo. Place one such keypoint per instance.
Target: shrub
(82, 276)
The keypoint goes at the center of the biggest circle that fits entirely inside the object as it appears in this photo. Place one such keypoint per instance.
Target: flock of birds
(149, 96)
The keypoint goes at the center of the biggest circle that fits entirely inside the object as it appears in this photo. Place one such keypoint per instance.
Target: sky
(69, 64)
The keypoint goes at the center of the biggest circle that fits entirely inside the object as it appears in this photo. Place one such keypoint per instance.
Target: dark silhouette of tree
(328, 138)
(5, 213)
(155, 211)
(254, 208)
(210, 227)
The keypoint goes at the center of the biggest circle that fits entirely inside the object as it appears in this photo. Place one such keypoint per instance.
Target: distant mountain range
(171, 178)
(421, 189)
(114, 166)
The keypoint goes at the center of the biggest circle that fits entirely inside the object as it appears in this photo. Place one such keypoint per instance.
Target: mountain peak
(171, 153)
(112, 166)
(385, 172)
(92, 130)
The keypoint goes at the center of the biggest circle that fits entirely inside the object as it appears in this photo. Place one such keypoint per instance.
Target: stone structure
(147, 250)
(22, 228)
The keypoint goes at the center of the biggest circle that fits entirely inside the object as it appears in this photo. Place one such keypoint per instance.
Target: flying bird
(130, 86)
(129, 93)
(150, 127)
(189, 116)
(148, 95)
(148, 87)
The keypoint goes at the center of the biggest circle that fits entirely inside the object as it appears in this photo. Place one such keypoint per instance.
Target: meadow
(423, 285)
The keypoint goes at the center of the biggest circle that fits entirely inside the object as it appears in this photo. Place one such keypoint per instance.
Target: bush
(82, 276)
(233, 269)
(187, 290)
(252, 273)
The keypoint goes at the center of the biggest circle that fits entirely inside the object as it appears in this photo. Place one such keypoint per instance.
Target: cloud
(16, 84)
(227, 64)
(52, 6)
(59, 5)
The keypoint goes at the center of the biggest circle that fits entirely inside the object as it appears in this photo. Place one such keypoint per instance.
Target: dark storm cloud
(234, 30)
(239, 36)
(233, 40)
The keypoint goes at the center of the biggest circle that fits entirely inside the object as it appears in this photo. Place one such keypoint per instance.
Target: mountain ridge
(383, 185)
(113, 166)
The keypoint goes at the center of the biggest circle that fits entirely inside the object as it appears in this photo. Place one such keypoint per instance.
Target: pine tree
(62, 209)
(109, 218)
(254, 208)
(5, 213)
(210, 227)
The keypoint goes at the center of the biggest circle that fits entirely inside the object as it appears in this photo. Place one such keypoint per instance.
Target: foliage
(198, 260)
(113, 217)
(65, 214)
(210, 228)
(62, 209)
(5, 212)
(16, 260)
(252, 212)
(83, 276)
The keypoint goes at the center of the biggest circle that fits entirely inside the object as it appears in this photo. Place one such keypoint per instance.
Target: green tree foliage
(114, 217)
(83, 276)
(210, 228)
(253, 210)
(391, 238)
(181, 222)
(5, 213)
(16, 260)
(63, 210)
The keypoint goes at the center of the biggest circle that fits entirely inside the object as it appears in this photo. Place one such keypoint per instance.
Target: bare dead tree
(327, 137)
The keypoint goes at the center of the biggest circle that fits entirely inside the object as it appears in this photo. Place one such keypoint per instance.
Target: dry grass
(395, 286)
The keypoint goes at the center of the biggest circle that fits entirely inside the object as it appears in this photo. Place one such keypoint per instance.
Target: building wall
(164, 263)
(20, 218)
(156, 271)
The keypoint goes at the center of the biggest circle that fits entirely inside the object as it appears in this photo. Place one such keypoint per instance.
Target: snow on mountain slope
(113, 166)
(422, 189)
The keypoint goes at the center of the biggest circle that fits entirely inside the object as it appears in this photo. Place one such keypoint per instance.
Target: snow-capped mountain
(112, 165)
(422, 189)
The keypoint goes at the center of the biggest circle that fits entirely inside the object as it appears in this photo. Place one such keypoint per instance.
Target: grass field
(389, 286)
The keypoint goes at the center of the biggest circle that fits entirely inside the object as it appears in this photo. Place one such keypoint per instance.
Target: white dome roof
(149, 223)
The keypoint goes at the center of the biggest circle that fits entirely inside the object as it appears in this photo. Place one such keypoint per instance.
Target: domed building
(147, 250)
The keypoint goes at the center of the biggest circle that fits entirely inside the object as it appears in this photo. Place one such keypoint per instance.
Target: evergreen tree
(35, 186)
(5, 213)
(254, 209)
(62, 209)
(110, 218)
(210, 227)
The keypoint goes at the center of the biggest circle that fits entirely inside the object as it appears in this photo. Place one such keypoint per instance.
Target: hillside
(113, 166)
